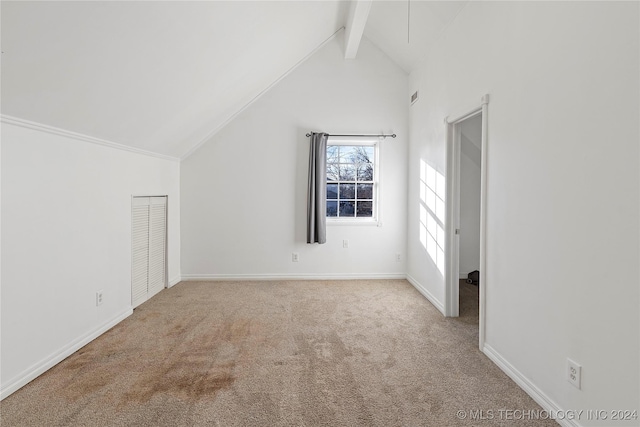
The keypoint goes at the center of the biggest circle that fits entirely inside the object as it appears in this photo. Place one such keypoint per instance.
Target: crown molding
(15, 121)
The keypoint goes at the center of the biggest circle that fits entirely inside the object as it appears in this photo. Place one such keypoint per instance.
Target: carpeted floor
(343, 353)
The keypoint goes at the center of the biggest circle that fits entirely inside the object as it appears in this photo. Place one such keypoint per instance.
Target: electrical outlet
(98, 298)
(345, 244)
(574, 373)
(398, 257)
(294, 257)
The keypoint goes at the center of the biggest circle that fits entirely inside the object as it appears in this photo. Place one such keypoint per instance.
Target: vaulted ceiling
(403, 28)
(165, 76)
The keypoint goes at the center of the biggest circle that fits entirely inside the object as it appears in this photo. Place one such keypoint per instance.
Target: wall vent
(414, 97)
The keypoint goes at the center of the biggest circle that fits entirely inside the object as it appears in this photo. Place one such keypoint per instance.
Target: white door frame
(452, 226)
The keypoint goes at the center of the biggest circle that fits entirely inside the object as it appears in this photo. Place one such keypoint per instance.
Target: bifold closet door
(140, 250)
(157, 246)
(149, 231)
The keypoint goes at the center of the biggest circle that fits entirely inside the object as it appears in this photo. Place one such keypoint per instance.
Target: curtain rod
(393, 135)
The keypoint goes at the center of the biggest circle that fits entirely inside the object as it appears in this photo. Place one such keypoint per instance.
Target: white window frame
(375, 218)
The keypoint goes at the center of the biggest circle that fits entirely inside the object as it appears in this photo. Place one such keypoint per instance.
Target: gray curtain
(317, 191)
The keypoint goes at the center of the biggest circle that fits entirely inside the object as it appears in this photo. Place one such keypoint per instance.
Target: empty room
(303, 213)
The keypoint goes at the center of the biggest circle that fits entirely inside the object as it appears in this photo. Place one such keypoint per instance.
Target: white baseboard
(244, 277)
(424, 291)
(174, 281)
(525, 384)
(48, 362)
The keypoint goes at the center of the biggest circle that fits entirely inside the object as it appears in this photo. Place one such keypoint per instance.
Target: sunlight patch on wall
(432, 208)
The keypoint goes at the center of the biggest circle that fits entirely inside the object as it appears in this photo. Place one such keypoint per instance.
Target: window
(352, 180)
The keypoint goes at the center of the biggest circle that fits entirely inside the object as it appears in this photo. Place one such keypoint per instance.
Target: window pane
(332, 154)
(332, 172)
(347, 208)
(332, 208)
(332, 191)
(365, 209)
(347, 154)
(347, 191)
(365, 154)
(365, 191)
(365, 172)
(347, 172)
(359, 154)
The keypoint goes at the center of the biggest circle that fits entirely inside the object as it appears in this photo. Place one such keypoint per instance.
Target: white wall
(469, 204)
(66, 233)
(563, 185)
(244, 191)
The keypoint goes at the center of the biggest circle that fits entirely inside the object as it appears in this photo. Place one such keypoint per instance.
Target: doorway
(465, 205)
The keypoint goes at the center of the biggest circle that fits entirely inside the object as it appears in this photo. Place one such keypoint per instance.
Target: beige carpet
(343, 353)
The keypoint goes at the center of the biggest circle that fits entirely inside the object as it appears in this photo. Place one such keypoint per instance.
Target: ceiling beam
(356, 22)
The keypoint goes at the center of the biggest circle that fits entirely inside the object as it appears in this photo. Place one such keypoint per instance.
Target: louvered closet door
(140, 250)
(157, 244)
(149, 243)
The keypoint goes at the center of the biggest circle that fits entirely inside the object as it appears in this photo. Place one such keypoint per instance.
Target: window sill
(355, 222)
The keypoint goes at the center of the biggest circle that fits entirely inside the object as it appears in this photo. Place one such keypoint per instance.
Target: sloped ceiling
(164, 76)
(158, 76)
(403, 28)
